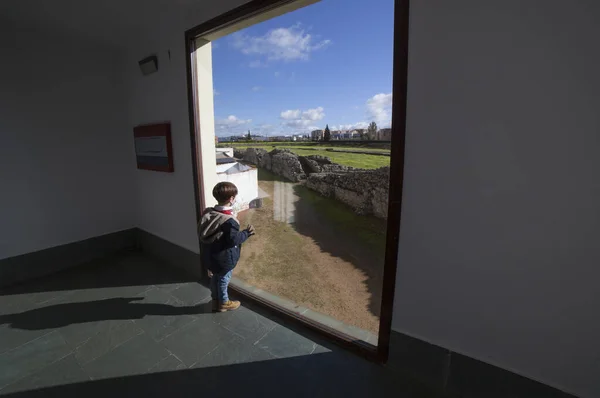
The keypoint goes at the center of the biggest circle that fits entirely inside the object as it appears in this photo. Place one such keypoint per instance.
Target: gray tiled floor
(129, 326)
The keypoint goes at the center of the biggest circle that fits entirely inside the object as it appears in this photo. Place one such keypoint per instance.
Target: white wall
(66, 155)
(205, 116)
(165, 202)
(499, 249)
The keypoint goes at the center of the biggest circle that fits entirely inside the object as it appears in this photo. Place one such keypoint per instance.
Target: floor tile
(14, 303)
(102, 293)
(134, 357)
(169, 287)
(28, 358)
(159, 304)
(64, 371)
(259, 378)
(194, 341)
(53, 315)
(235, 351)
(110, 334)
(168, 364)
(77, 334)
(27, 321)
(245, 323)
(48, 297)
(130, 315)
(11, 338)
(282, 343)
(192, 293)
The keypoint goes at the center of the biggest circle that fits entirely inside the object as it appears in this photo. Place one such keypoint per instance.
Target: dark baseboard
(458, 375)
(17, 269)
(170, 253)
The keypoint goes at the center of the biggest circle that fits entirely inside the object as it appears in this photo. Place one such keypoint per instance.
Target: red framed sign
(153, 149)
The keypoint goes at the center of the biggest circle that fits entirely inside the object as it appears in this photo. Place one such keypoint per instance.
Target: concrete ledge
(48, 261)
(170, 253)
(458, 375)
(352, 331)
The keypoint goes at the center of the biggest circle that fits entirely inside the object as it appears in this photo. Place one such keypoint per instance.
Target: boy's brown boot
(229, 306)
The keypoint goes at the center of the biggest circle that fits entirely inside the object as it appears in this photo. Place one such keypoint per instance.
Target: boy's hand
(250, 229)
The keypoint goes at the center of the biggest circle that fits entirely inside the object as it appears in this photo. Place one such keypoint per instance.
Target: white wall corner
(205, 119)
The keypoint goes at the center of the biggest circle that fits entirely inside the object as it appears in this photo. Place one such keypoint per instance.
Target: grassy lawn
(328, 258)
(358, 160)
(364, 147)
(369, 231)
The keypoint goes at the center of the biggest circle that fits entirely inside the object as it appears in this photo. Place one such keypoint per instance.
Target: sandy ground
(315, 252)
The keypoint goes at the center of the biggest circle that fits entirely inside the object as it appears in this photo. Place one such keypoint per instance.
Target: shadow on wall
(316, 375)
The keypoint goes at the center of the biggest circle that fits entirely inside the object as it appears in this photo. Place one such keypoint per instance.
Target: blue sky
(328, 63)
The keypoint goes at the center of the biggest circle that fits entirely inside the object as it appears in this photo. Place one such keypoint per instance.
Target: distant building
(232, 138)
(317, 135)
(357, 134)
(336, 135)
(243, 176)
(353, 134)
(384, 135)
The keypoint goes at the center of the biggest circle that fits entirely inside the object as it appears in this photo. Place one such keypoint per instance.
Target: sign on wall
(153, 149)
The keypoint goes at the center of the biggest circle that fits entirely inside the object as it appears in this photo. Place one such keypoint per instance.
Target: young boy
(222, 240)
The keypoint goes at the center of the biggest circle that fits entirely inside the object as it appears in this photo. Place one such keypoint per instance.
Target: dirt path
(315, 252)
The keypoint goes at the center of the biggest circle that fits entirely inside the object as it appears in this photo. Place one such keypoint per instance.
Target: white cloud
(256, 88)
(314, 114)
(291, 114)
(281, 44)
(351, 126)
(297, 119)
(215, 92)
(299, 124)
(379, 109)
(231, 124)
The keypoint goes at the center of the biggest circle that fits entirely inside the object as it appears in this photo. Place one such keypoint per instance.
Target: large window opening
(292, 102)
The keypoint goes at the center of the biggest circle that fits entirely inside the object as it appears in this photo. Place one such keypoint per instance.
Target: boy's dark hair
(223, 191)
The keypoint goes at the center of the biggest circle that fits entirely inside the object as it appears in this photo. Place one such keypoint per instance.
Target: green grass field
(358, 160)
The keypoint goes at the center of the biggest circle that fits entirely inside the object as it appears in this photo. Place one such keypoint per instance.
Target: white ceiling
(118, 23)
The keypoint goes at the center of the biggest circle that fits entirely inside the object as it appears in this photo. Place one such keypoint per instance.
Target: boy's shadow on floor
(56, 316)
